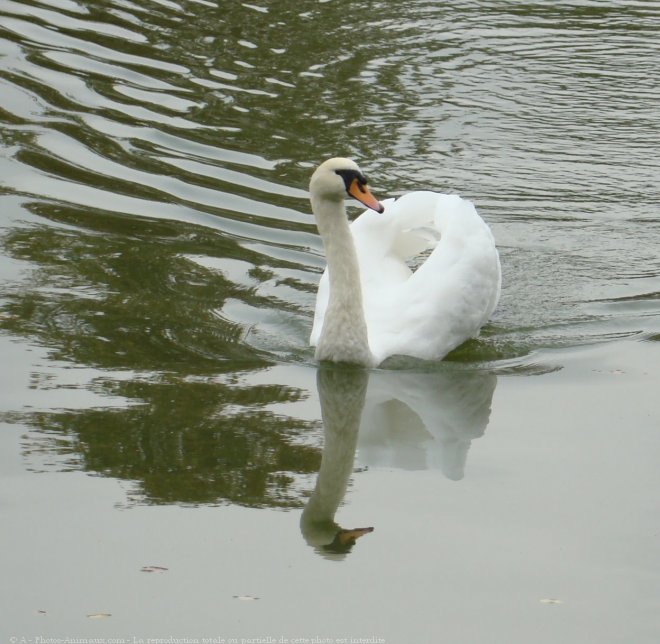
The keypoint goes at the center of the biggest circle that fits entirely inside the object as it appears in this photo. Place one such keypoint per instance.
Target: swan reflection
(342, 394)
(424, 420)
(403, 420)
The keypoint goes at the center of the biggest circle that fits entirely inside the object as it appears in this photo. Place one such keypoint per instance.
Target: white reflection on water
(403, 420)
(425, 420)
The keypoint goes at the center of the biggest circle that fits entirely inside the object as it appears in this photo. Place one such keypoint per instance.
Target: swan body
(370, 304)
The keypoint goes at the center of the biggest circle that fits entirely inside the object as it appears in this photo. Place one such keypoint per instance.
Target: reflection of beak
(361, 193)
(349, 537)
(345, 540)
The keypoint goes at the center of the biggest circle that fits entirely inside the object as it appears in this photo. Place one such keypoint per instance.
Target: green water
(158, 269)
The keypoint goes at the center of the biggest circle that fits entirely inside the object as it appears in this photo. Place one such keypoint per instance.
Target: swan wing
(449, 297)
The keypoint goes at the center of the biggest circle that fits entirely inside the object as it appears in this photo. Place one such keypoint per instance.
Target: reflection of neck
(344, 333)
(342, 394)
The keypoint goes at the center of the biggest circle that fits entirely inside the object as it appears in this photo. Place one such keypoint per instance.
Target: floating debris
(99, 615)
(245, 598)
(551, 600)
(153, 569)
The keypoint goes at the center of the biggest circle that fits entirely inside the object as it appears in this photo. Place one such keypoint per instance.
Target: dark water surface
(158, 272)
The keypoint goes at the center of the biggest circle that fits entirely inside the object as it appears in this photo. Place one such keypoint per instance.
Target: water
(159, 265)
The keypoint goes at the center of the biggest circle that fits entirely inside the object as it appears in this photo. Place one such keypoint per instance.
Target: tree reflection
(300, 82)
(182, 445)
(122, 293)
(124, 299)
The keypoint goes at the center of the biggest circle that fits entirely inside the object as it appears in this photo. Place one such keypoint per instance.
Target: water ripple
(207, 121)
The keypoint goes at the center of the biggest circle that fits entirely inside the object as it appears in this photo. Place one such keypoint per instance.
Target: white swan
(370, 305)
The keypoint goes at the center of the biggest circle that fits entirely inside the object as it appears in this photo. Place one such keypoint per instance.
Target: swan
(370, 304)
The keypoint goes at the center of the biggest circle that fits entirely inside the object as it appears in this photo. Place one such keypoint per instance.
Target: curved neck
(344, 334)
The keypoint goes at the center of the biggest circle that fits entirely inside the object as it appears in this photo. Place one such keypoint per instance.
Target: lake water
(173, 463)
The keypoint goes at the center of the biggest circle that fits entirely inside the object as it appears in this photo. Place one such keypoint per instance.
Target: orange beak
(361, 193)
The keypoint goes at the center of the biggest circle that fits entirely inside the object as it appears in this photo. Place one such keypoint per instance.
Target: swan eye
(352, 177)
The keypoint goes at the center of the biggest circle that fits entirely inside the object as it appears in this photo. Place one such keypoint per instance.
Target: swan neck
(344, 335)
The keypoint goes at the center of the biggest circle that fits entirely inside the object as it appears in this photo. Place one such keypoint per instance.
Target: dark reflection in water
(121, 293)
(301, 81)
(185, 444)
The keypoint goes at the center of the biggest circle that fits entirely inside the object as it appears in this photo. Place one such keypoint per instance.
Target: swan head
(338, 177)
